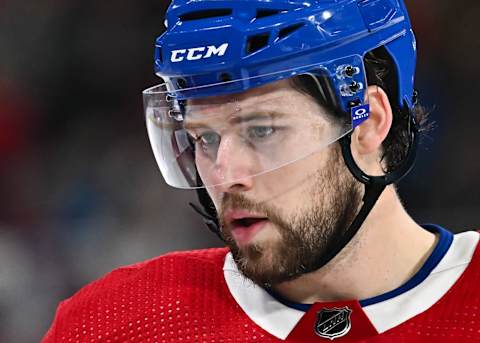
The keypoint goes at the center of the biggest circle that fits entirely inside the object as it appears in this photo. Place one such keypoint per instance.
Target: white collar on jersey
(267, 312)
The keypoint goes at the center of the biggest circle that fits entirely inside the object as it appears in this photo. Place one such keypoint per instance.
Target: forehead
(278, 97)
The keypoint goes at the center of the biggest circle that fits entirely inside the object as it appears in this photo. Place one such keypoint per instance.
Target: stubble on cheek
(292, 245)
(260, 260)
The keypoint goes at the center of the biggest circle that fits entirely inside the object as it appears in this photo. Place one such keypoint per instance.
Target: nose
(235, 166)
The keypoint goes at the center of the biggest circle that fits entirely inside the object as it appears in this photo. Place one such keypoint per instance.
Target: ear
(368, 137)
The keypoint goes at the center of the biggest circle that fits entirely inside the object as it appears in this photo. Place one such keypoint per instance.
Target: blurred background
(80, 191)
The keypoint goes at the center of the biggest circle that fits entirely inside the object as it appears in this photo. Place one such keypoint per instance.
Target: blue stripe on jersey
(444, 242)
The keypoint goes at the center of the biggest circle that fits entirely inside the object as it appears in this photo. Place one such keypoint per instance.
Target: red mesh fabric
(182, 297)
(179, 297)
(454, 318)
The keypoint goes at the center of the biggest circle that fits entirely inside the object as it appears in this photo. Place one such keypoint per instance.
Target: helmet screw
(354, 87)
(349, 71)
(415, 97)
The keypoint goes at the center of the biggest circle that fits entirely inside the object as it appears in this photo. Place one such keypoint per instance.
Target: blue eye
(260, 131)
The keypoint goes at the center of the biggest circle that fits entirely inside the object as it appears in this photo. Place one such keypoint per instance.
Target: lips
(244, 225)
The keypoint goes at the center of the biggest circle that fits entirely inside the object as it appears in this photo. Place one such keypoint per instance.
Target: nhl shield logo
(333, 323)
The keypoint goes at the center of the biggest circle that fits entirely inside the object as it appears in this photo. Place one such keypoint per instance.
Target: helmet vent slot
(206, 14)
(289, 30)
(266, 12)
(225, 77)
(181, 83)
(257, 42)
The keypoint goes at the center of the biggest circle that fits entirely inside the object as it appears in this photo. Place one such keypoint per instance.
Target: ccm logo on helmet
(202, 52)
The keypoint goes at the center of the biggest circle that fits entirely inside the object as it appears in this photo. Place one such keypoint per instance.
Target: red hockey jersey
(200, 296)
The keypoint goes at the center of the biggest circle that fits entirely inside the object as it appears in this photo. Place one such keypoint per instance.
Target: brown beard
(303, 239)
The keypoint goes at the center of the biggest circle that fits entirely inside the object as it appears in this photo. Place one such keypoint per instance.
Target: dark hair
(381, 72)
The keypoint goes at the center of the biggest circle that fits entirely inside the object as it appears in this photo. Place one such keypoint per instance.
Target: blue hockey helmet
(213, 51)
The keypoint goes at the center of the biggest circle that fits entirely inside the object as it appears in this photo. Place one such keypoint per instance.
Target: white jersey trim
(279, 320)
(387, 314)
(272, 316)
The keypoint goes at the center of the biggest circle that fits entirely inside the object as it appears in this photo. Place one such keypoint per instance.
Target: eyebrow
(239, 119)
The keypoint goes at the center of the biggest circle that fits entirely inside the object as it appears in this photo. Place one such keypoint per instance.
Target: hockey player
(292, 120)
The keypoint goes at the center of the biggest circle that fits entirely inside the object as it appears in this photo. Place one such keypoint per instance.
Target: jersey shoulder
(453, 317)
(130, 291)
(163, 269)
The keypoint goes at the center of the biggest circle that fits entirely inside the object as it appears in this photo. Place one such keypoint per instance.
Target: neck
(386, 252)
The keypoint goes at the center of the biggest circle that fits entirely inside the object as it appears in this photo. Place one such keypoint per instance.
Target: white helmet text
(202, 52)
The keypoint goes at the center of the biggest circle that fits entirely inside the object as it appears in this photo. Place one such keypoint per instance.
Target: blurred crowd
(80, 190)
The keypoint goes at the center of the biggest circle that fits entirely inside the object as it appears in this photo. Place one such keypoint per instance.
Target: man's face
(277, 222)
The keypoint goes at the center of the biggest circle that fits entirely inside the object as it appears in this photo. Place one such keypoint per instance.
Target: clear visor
(217, 140)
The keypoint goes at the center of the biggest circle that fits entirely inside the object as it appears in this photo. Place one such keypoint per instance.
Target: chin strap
(374, 186)
(372, 193)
